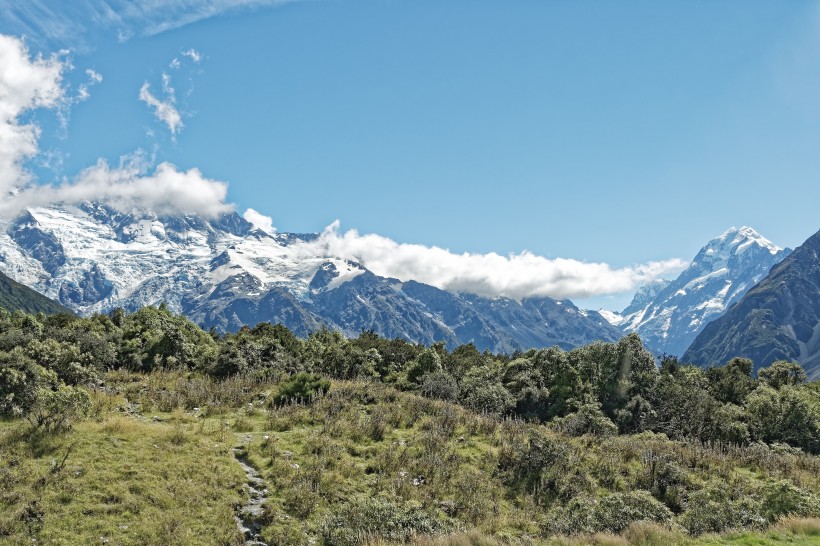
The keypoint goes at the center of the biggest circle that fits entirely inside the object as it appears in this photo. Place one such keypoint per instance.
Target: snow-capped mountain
(778, 319)
(225, 273)
(668, 315)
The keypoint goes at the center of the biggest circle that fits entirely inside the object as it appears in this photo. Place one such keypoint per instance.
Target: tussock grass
(800, 526)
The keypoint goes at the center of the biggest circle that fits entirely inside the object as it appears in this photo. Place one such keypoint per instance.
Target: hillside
(779, 319)
(143, 429)
(17, 297)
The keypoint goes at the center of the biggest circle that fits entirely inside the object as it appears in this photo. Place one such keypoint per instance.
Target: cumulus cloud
(26, 84)
(515, 276)
(164, 110)
(259, 221)
(167, 190)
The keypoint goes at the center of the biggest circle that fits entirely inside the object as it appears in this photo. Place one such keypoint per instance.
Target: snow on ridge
(612, 317)
(152, 258)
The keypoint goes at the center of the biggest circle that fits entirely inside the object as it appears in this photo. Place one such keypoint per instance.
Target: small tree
(782, 373)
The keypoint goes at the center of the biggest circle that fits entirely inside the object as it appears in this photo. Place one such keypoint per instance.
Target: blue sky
(616, 132)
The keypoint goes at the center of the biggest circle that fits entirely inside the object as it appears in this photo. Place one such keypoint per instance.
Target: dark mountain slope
(17, 297)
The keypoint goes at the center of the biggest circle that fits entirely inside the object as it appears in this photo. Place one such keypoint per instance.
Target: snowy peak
(668, 315)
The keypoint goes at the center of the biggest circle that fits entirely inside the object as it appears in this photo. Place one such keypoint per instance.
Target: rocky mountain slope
(668, 315)
(777, 319)
(224, 273)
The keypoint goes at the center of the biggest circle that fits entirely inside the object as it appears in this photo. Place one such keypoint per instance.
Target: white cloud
(83, 92)
(165, 191)
(26, 84)
(93, 75)
(259, 220)
(516, 276)
(164, 110)
(193, 54)
(175, 64)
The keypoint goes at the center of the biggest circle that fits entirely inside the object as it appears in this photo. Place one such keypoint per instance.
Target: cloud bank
(165, 191)
(515, 276)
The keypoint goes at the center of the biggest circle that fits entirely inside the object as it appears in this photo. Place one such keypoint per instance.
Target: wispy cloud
(192, 54)
(164, 110)
(79, 23)
(516, 276)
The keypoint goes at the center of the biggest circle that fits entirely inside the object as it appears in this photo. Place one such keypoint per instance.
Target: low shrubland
(125, 429)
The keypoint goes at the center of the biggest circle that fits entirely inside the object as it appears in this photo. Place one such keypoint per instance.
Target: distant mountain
(668, 315)
(17, 297)
(777, 319)
(223, 273)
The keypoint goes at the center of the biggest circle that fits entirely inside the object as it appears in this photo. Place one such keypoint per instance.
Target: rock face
(777, 319)
(668, 315)
(223, 273)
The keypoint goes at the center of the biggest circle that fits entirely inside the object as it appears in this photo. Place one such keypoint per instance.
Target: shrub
(784, 499)
(20, 377)
(440, 385)
(612, 513)
(54, 410)
(300, 388)
(708, 511)
(589, 419)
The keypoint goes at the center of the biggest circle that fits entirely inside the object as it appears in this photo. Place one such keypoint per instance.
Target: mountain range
(224, 273)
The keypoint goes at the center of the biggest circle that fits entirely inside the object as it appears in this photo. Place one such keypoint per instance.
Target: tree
(782, 373)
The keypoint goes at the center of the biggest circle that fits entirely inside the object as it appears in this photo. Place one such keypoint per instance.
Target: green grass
(154, 464)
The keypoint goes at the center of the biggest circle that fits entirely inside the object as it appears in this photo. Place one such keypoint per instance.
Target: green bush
(20, 377)
(440, 385)
(55, 409)
(589, 419)
(710, 511)
(784, 499)
(612, 513)
(300, 388)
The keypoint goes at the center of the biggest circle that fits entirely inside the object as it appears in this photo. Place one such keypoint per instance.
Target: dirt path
(248, 517)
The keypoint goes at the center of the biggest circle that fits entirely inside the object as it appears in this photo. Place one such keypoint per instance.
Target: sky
(567, 148)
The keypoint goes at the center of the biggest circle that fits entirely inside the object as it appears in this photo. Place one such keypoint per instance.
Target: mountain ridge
(224, 273)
